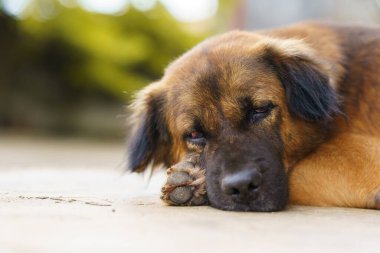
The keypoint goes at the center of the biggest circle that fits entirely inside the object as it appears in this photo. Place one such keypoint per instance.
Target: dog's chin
(258, 205)
(275, 200)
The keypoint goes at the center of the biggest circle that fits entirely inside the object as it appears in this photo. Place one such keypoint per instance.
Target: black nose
(242, 184)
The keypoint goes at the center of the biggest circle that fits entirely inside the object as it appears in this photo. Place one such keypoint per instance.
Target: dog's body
(292, 109)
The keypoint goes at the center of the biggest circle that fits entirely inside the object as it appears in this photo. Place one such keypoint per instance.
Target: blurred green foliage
(116, 53)
(57, 62)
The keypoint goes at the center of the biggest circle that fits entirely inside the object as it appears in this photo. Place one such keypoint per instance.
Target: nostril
(242, 183)
(235, 192)
(256, 179)
(230, 190)
(252, 187)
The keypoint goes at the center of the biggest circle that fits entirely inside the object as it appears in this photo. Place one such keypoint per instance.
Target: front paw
(185, 184)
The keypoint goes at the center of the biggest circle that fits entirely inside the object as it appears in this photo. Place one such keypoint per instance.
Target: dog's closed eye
(259, 113)
(196, 137)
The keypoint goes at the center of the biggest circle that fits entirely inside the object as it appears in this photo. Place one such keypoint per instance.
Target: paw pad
(185, 184)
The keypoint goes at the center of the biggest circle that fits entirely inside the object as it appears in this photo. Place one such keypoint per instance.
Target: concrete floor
(71, 196)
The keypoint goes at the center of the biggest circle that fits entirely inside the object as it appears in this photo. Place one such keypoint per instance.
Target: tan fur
(342, 172)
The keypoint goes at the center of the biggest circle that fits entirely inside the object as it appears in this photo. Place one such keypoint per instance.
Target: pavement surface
(73, 196)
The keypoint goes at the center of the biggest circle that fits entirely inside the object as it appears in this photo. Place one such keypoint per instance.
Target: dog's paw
(185, 184)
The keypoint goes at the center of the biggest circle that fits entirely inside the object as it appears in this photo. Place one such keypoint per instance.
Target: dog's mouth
(249, 189)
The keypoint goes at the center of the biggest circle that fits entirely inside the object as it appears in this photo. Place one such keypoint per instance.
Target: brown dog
(291, 113)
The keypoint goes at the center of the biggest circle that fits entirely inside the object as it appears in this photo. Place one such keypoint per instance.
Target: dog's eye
(261, 112)
(196, 137)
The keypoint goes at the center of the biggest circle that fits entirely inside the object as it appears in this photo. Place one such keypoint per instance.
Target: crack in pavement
(61, 199)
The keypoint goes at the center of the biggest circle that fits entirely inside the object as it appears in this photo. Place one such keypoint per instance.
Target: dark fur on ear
(309, 93)
(149, 139)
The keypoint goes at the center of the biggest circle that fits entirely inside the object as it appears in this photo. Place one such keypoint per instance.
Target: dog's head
(251, 105)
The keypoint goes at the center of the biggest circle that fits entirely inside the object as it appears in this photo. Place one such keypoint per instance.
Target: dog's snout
(242, 184)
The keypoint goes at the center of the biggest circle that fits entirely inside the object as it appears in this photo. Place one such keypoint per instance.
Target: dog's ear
(307, 84)
(149, 139)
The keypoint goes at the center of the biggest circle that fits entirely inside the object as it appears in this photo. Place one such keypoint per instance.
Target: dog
(287, 115)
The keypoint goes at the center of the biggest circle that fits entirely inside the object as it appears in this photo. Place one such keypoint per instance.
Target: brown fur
(331, 162)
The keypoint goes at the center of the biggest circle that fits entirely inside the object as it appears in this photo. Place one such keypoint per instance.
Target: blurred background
(69, 67)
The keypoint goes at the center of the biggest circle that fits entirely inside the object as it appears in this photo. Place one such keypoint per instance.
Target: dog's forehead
(211, 80)
(216, 69)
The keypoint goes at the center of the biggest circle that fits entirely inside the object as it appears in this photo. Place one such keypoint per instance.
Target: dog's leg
(342, 172)
(185, 185)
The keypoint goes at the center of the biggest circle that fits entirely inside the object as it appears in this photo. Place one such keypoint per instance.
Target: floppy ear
(149, 138)
(306, 80)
